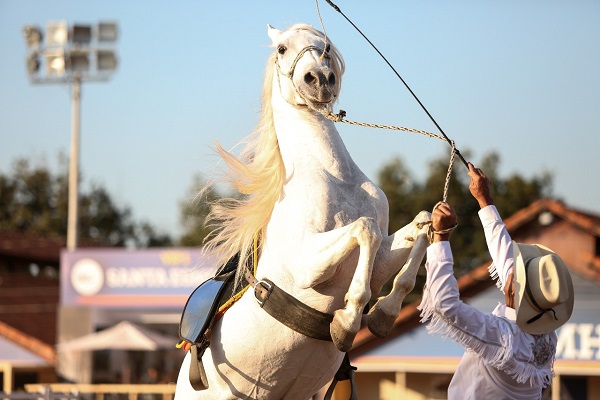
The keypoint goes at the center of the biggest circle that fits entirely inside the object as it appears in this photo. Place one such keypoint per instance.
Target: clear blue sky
(521, 78)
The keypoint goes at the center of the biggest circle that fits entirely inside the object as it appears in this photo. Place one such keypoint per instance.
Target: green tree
(407, 197)
(35, 201)
(395, 180)
(194, 211)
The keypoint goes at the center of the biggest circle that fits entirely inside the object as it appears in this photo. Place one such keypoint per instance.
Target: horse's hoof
(342, 337)
(379, 323)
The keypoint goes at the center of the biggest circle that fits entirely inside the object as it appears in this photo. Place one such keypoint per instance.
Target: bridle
(290, 74)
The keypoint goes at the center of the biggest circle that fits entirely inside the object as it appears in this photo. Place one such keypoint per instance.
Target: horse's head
(308, 67)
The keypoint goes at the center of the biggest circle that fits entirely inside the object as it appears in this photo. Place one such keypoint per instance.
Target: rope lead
(339, 117)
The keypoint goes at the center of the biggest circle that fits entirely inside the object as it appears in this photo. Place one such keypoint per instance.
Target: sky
(519, 78)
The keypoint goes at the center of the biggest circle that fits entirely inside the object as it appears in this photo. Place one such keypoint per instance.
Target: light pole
(71, 54)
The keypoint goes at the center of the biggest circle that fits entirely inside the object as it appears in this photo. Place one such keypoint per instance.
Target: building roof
(29, 350)
(478, 280)
(39, 249)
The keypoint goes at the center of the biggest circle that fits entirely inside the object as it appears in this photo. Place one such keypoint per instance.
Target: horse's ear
(274, 33)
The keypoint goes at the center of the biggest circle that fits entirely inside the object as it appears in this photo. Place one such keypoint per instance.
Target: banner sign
(121, 278)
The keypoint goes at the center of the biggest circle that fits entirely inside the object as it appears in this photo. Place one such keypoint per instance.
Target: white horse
(322, 228)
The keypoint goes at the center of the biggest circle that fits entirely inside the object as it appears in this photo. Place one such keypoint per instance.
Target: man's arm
(485, 334)
(498, 240)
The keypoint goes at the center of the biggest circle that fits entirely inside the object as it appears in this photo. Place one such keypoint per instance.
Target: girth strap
(303, 319)
(290, 311)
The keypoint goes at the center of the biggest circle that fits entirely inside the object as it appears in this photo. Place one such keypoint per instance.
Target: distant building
(49, 295)
(29, 296)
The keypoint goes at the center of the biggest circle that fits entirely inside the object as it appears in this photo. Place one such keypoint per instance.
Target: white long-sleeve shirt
(501, 361)
(499, 244)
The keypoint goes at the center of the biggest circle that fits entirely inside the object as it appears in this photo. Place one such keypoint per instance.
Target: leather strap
(303, 319)
(197, 374)
(290, 311)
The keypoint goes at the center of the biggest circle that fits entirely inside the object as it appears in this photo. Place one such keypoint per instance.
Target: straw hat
(543, 289)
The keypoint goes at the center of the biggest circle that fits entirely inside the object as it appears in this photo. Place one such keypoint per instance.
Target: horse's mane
(257, 175)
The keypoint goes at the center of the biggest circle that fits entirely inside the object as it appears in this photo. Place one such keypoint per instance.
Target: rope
(324, 32)
(339, 117)
(342, 114)
(450, 165)
(431, 231)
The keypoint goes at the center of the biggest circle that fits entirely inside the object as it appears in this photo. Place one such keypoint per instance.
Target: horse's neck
(309, 141)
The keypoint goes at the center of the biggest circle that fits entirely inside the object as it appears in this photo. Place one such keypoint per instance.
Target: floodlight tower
(72, 55)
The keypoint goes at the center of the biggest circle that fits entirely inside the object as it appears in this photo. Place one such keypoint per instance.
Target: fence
(97, 391)
(46, 394)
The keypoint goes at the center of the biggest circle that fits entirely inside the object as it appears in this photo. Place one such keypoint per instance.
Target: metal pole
(73, 218)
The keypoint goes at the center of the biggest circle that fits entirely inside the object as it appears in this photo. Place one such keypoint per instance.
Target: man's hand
(480, 187)
(443, 220)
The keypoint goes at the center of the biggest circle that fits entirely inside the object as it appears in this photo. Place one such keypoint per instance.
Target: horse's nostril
(319, 78)
(310, 78)
(331, 79)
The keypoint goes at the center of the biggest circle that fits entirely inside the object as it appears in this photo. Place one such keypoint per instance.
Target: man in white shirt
(509, 353)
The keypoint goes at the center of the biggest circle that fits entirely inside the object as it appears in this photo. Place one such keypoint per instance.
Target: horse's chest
(347, 206)
(328, 205)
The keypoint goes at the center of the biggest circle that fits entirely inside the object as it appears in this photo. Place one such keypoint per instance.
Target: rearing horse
(322, 227)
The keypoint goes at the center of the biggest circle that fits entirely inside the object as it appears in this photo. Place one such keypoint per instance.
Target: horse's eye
(281, 49)
(327, 48)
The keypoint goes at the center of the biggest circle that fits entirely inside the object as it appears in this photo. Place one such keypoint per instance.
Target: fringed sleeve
(499, 245)
(489, 336)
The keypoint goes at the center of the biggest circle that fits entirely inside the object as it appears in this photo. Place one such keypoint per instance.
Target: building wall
(400, 385)
(29, 299)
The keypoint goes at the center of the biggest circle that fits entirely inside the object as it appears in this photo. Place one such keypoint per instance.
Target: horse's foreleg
(382, 315)
(395, 250)
(325, 252)
(346, 321)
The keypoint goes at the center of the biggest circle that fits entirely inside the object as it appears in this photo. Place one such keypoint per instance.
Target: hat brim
(524, 308)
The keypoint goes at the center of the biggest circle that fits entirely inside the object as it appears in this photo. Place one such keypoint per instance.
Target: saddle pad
(201, 307)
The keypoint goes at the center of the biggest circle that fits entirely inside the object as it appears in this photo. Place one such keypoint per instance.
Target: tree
(33, 200)
(395, 180)
(407, 197)
(195, 210)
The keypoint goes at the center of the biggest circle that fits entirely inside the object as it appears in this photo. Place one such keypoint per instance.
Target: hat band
(535, 304)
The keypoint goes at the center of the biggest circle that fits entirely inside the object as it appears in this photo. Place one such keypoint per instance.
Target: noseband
(290, 73)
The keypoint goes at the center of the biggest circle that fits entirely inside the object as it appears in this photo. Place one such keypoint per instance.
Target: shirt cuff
(489, 214)
(440, 251)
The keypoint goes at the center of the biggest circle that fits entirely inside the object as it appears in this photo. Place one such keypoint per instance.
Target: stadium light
(56, 34)
(107, 32)
(71, 54)
(33, 36)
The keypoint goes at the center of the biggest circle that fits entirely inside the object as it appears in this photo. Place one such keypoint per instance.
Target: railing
(47, 394)
(100, 391)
